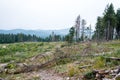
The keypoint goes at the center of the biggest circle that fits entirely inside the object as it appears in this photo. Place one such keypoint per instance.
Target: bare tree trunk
(53, 37)
(112, 33)
(77, 26)
(90, 33)
(108, 31)
(83, 27)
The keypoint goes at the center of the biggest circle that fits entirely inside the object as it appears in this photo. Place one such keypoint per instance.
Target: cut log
(29, 68)
(113, 58)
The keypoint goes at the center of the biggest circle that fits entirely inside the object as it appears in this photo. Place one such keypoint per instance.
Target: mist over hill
(41, 33)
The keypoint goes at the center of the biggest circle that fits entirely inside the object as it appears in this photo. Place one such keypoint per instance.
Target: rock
(101, 71)
(4, 46)
(107, 71)
(77, 62)
(1, 70)
(21, 65)
(106, 79)
(2, 79)
(10, 71)
(99, 76)
(5, 70)
(118, 71)
(113, 74)
(3, 65)
(115, 71)
(68, 78)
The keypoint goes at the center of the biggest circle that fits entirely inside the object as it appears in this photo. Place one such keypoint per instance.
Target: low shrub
(72, 70)
(63, 61)
(99, 62)
(11, 66)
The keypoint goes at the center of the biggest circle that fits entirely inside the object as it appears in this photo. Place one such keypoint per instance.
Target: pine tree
(99, 29)
(118, 23)
(109, 21)
(70, 37)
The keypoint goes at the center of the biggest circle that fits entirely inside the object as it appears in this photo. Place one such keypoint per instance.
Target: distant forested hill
(41, 33)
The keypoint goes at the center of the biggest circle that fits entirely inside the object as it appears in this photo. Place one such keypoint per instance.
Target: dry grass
(70, 57)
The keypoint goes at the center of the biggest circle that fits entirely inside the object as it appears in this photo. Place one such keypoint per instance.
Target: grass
(20, 52)
(99, 62)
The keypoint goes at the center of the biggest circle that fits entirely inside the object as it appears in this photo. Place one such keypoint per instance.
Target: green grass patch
(21, 51)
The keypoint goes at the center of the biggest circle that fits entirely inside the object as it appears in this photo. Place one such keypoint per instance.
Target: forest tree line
(108, 26)
(20, 37)
(11, 38)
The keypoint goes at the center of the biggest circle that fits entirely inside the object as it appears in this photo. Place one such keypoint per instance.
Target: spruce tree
(109, 21)
(118, 23)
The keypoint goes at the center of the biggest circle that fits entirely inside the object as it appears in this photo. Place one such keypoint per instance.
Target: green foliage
(105, 25)
(63, 61)
(70, 36)
(118, 23)
(117, 78)
(12, 38)
(90, 75)
(65, 55)
(110, 62)
(116, 54)
(109, 22)
(4, 52)
(99, 62)
(99, 33)
(72, 70)
(63, 45)
(11, 66)
(41, 44)
(20, 51)
(6, 59)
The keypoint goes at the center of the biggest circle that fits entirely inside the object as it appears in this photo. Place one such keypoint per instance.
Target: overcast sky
(50, 14)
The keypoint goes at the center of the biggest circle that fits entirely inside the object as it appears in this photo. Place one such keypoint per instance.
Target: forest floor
(60, 61)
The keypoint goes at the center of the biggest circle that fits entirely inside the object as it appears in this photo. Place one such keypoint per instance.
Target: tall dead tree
(90, 32)
(53, 37)
(77, 28)
(83, 28)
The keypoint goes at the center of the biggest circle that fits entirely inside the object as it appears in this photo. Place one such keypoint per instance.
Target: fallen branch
(81, 67)
(113, 58)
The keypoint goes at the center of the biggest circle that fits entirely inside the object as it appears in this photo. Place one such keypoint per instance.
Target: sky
(50, 14)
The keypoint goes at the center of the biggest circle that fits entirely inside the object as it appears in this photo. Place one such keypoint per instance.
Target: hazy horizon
(34, 29)
(50, 14)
